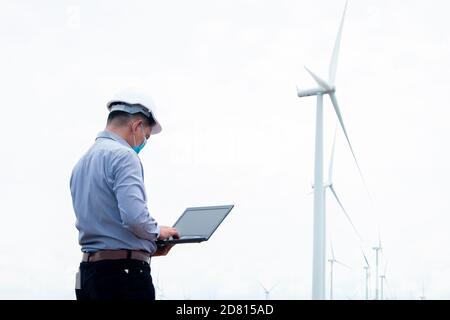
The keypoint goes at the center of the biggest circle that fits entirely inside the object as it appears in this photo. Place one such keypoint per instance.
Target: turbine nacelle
(312, 92)
(324, 87)
(327, 185)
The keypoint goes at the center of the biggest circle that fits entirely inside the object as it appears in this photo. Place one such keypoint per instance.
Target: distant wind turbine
(267, 291)
(367, 274)
(383, 280)
(325, 88)
(330, 186)
(423, 297)
(332, 261)
(377, 249)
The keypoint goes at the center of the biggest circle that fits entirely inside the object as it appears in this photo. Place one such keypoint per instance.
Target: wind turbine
(383, 280)
(267, 291)
(332, 261)
(367, 274)
(377, 251)
(319, 241)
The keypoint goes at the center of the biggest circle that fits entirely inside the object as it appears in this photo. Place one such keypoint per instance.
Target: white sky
(223, 74)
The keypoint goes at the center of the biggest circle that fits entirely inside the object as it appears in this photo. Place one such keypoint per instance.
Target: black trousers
(115, 280)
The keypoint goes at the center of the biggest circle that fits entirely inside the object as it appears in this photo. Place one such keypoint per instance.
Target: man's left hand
(163, 250)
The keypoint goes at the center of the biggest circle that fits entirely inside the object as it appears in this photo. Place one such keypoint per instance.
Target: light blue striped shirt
(109, 198)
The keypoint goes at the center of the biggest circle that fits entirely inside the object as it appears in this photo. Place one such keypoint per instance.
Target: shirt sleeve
(128, 186)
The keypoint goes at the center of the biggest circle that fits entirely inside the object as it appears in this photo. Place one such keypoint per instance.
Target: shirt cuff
(158, 230)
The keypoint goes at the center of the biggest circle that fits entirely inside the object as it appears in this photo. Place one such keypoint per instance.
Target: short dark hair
(122, 118)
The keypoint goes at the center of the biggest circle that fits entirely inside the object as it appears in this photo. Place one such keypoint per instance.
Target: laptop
(197, 224)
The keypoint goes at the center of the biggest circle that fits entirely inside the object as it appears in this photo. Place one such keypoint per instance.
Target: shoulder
(125, 158)
(126, 155)
(115, 151)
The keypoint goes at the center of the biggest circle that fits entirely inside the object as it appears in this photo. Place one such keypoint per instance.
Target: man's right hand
(167, 232)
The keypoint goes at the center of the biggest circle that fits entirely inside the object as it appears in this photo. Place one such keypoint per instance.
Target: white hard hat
(133, 101)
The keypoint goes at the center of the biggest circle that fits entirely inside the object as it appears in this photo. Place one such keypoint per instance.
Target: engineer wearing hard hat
(117, 234)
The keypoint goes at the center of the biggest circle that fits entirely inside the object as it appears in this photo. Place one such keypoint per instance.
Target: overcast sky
(224, 76)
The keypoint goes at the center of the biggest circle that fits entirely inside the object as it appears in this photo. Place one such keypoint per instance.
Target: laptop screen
(202, 221)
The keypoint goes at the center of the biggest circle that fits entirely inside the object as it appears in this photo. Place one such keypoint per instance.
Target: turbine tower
(319, 238)
(331, 261)
(383, 280)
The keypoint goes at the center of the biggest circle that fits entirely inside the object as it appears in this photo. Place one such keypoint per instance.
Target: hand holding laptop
(166, 233)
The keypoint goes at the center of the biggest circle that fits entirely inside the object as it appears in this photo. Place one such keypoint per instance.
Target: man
(116, 232)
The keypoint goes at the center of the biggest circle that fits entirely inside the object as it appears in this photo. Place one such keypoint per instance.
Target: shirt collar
(111, 135)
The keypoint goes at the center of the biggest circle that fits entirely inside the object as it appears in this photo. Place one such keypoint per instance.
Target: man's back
(109, 198)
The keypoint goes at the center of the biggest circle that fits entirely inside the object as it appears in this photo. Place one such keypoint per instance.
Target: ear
(136, 124)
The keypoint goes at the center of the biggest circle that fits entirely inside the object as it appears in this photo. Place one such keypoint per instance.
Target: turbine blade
(273, 287)
(335, 55)
(343, 264)
(330, 169)
(319, 81)
(332, 251)
(264, 288)
(345, 212)
(341, 121)
(365, 258)
(379, 240)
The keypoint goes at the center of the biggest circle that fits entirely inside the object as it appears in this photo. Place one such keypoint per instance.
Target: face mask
(138, 148)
